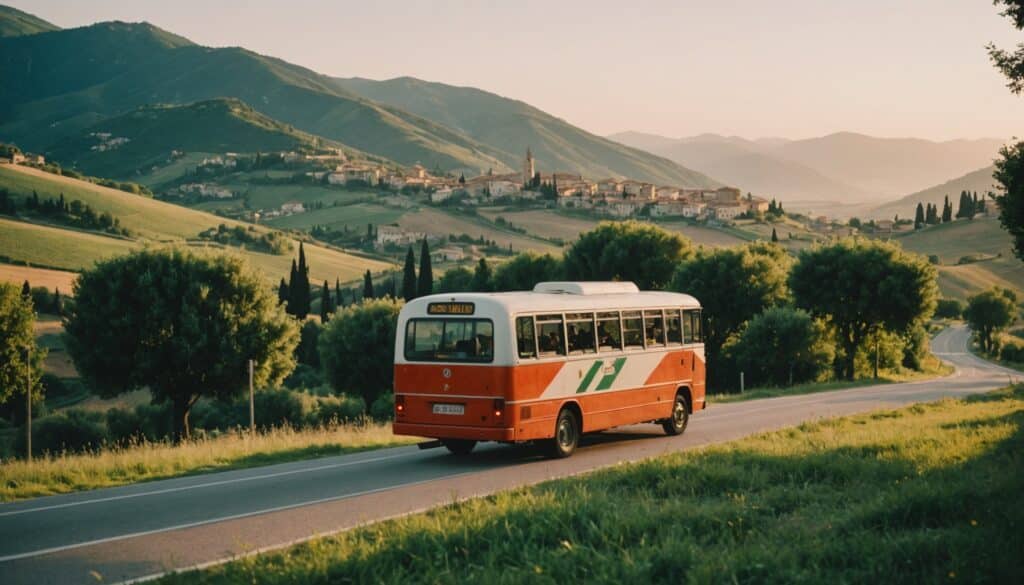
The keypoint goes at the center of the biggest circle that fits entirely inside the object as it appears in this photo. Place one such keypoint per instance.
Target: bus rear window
(449, 340)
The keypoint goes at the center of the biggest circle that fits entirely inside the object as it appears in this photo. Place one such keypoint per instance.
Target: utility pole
(28, 403)
(741, 382)
(252, 400)
(876, 357)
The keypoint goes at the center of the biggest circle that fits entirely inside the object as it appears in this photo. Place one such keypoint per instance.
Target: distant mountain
(152, 132)
(979, 181)
(61, 82)
(15, 23)
(509, 126)
(749, 165)
(889, 166)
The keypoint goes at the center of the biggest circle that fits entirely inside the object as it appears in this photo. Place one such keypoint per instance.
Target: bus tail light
(399, 404)
(499, 407)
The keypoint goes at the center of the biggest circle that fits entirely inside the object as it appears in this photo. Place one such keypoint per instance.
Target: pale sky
(793, 68)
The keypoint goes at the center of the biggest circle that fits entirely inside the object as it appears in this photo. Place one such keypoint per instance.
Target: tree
(299, 290)
(780, 347)
(458, 279)
(1011, 64)
(368, 285)
(733, 285)
(525, 270)
(919, 216)
(990, 312)
(860, 286)
(339, 301)
(326, 303)
(26, 290)
(357, 348)
(58, 303)
(775, 236)
(181, 324)
(18, 342)
(628, 250)
(282, 291)
(409, 276)
(1009, 174)
(947, 211)
(482, 277)
(425, 286)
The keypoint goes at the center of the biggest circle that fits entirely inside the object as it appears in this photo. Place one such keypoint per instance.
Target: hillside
(979, 181)
(61, 82)
(15, 23)
(745, 163)
(151, 221)
(153, 132)
(509, 126)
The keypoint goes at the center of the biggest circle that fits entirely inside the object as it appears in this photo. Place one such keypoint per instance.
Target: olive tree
(782, 346)
(990, 312)
(18, 342)
(860, 286)
(627, 250)
(180, 324)
(357, 348)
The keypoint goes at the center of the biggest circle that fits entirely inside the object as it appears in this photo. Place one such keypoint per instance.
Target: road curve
(141, 530)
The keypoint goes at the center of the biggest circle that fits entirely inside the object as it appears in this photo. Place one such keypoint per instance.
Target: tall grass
(144, 461)
(925, 494)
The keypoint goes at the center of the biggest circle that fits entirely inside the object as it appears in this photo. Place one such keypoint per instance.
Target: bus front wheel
(676, 424)
(567, 435)
(459, 446)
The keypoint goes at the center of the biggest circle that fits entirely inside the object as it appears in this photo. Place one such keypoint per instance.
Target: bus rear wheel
(459, 446)
(676, 424)
(567, 435)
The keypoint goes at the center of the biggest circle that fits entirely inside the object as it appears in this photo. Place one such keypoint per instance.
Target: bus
(546, 365)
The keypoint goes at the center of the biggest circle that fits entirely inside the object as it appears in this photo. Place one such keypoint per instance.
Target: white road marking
(203, 485)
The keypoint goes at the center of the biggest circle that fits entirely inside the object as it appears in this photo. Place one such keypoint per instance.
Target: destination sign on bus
(450, 309)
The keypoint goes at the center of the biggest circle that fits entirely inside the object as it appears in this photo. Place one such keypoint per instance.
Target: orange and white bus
(549, 365)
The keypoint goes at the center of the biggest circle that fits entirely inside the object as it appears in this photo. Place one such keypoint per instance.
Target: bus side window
(654, 328)
(632, 329)
(674, 326)
(526, 338)
(609, 335)
(693, 328)
(580, 330)
(551, 335)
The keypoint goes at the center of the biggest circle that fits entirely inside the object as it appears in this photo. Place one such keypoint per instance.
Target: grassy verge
(149, 461)
(925, 494)
(932, 368)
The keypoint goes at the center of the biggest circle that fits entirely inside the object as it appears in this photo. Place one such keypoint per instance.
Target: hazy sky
(793, 68)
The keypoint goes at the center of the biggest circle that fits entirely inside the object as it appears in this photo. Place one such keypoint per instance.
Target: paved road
(144, 529)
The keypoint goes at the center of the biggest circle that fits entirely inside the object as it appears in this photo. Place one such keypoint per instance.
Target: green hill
(150, 220)
(510, 126)
(979, 181)
(59, 83)
(213, 126)
(15, 23)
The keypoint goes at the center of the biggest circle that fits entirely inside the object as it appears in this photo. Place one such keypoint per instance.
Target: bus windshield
(449, 340)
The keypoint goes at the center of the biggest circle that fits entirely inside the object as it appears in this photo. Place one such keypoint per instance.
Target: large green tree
(627, 250)
(525, 270)
(425, 285)
(18, 342)
(357, 348)
(990, 312)
(732, 285)
(1009, 174)
(457, 279)
(861, 286)
(180, 324)
(780, 347)
(482, 281)
(1011, 63)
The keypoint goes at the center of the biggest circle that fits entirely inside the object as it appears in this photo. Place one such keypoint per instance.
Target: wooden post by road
(252, 400)
(28, 404)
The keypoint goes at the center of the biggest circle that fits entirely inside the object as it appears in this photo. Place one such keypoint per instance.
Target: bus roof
(564, 298)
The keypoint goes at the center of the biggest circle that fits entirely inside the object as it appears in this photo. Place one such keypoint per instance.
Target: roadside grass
(150, 461)
(924, 494)
(932, 368)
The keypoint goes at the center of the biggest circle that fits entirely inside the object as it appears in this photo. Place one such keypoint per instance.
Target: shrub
(276, 408)
(339, 409)
(1011, 352)
(357, 348)
(780, 347)
(915, 347)
(949, 309)
(123, 425)
(383, 409)
(890, 353)
(72, 430)
(304, 376)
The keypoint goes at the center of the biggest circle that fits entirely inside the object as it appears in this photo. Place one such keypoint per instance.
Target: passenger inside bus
(551, 341)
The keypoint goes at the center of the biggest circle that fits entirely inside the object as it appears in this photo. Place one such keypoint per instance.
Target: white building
(441, 194)
(502, 188)
(292, 207)
(727, 212)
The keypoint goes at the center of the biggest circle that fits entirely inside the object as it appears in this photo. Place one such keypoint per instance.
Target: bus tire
(459, 446)
(676, 423)
(567, 435)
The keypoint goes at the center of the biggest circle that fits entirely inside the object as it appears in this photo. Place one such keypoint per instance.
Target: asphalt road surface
(139, 531)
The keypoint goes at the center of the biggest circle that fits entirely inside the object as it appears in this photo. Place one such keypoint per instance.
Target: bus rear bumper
(455, 432)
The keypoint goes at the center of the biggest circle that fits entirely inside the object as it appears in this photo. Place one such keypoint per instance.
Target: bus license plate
(449, 409)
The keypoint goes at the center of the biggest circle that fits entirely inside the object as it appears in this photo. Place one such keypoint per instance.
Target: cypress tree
(282, 290)
(775, 236)
(326, 306)
(26, 291)
(367, 285)
(339, 301)
(293, 285)
(482, 277)
(947, 211)
(426, 279)
(304, 294)
(58, 303)
(919, 216)
(409, 276)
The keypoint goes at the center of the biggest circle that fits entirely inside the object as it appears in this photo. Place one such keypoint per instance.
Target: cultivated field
(354, 216)
(51, 279)
(925, 494)
(56, 247)
(440, 222)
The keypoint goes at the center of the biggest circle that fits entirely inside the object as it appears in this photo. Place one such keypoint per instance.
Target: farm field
(968, 279)
(952, 240)
(354, 216)
(51, 279)
(273, 196)
(434, 221)
(58, 248)
(922, 494)
(173, 170)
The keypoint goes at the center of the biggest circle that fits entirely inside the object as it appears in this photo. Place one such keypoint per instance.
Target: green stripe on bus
(589, 377)
(609, 379)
